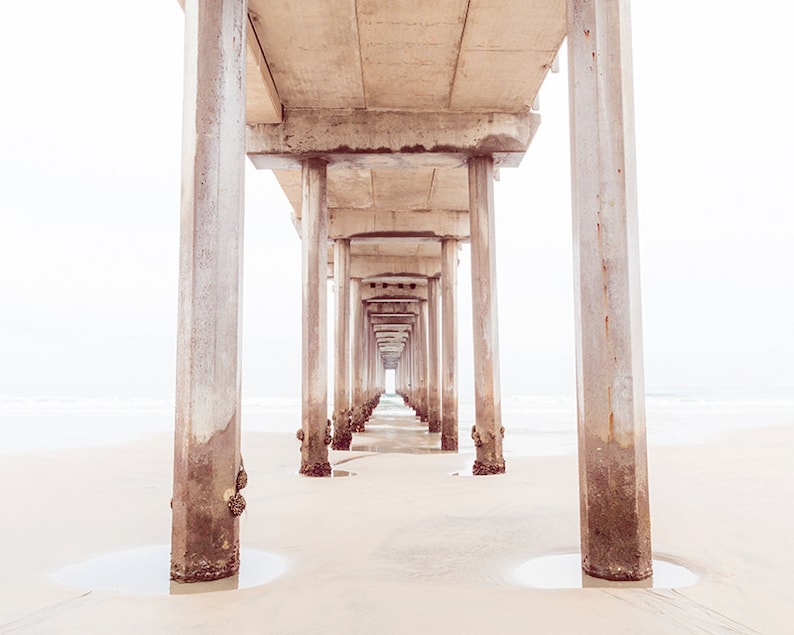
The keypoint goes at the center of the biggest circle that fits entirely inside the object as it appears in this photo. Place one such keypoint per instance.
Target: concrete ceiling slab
(312, 50)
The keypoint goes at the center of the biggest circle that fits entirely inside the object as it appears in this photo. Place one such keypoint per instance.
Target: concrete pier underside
(384, 125)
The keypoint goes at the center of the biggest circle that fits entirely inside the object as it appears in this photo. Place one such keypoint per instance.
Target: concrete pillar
(314, 432)
(449, 345)
(372, 381)
(366, 337)
(357, 350)
(487, 431)
(366, 370)
(433, 403)
(615, 518)
(342, 433)
(400, 375)
(205, 529)
(409, 369)
(421, 351)
(404, 370)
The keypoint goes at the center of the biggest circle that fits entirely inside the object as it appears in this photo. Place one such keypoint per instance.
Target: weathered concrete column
(399, 375)
(374, 359)
(314, 432)
(381, 374)
(367, 385)
(449, 345)
(433, 403)
(342, 433)
(421, 351)
(409, 369)
(405, 370)
(205, 531)
(357, 352)
(487, 431)
(615, 518)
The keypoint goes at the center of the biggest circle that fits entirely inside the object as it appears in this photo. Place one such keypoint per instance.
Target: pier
(386, 126)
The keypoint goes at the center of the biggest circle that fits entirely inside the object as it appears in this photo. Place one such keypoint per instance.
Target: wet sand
(404, 546)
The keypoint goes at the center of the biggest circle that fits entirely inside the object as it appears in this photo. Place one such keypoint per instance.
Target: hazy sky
(90, 128)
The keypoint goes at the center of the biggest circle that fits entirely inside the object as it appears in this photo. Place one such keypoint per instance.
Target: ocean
(535, 425)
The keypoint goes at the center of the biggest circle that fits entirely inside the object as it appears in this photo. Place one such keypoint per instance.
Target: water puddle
(334, 473)
(389, 447)
(564, 571)
(342, 473)
(145, 571)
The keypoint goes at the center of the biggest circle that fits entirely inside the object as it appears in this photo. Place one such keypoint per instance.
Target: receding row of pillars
(417, 362)
(432, 393)
(615, 523)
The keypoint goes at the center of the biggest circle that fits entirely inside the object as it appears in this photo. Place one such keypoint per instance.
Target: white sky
(90, 108)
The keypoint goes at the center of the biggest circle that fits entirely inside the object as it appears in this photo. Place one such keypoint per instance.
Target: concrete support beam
(379, 266)
(449, 345)
(433, 380)
(342, 433)
(315, 436)
(367, 223)
(360, 138)
(390, 320)
(376, 309)
(262, 103)
(488, 431)
(205, 529)
(615, 518)
(392, 292)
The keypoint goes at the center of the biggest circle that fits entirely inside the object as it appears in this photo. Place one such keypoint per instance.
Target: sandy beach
(404, 546)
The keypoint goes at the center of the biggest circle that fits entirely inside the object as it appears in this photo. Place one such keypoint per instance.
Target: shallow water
(564, 571)
(145, 571)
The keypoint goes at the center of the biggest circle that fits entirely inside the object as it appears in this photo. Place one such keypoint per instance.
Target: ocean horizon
(536, 425)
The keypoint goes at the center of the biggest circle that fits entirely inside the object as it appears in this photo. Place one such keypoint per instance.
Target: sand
(403, 546)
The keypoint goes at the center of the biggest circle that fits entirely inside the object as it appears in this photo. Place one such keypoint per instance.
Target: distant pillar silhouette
(615, 518)
(205, 530)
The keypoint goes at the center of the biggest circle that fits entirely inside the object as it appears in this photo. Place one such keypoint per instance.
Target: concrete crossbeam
(383, 308)
(378, 320)
(392, 293)
(355, 138)
(363, 223)
(407, 266)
